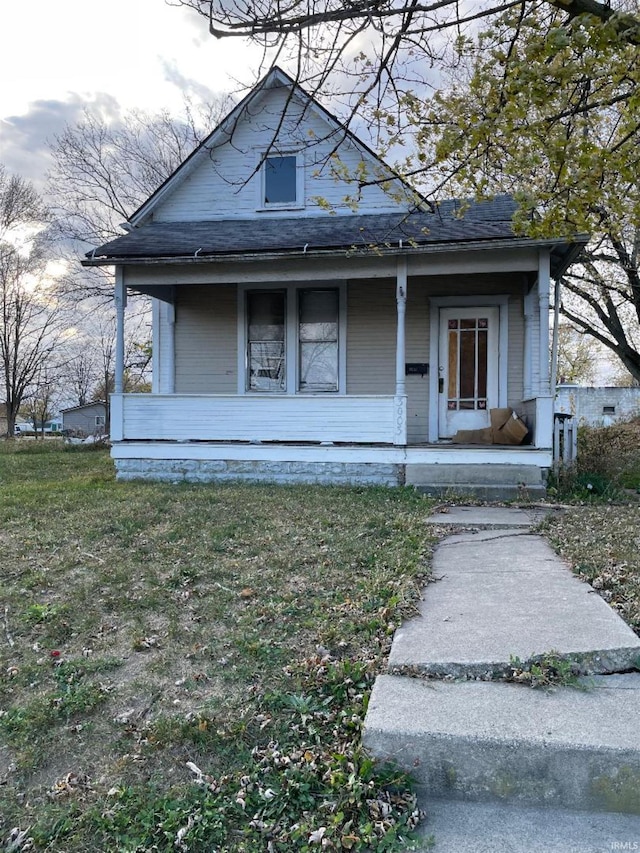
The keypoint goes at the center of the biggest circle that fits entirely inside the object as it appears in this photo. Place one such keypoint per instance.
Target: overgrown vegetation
(600, 534)
(608, 464)
(188, 667)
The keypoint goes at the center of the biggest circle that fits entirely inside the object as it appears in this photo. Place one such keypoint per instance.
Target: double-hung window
(281, 182)
(293, 339)
(318, 340)
(266, 340)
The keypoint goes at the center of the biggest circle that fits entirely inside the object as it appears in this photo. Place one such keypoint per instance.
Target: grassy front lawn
(602, 543)
(187, 667)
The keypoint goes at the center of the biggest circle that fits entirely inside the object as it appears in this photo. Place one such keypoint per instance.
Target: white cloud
(57, 57)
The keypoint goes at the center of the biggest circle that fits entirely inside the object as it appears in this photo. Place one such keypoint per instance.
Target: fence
(565, 441)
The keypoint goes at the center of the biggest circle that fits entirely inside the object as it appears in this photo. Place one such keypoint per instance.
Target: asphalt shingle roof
(449, 223)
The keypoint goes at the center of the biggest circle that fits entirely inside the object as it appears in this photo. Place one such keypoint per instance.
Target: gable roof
(275, 78)
(84, 406)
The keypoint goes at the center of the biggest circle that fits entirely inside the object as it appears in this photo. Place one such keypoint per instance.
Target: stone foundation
(209, 471)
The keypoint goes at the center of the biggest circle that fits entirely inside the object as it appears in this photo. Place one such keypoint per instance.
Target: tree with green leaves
(540, 98)
(514, 121)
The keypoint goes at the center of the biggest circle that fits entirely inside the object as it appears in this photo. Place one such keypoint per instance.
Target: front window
(266, 340)
(318, 340)
(280, 180)
(292, 340)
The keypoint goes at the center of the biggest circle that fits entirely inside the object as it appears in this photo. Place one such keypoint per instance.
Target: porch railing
(259, 417)
(565, 441)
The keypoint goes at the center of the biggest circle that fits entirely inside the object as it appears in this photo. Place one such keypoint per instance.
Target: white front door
(467, 368)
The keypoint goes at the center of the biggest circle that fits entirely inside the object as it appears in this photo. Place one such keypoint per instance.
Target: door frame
(500, 301)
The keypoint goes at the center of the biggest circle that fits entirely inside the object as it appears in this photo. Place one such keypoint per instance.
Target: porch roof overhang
(450, 228)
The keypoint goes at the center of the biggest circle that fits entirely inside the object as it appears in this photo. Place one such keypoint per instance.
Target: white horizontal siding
(206, 340)
(417, 350)
(258, 417)
(226, 184)
(515, 361)
(371, 337)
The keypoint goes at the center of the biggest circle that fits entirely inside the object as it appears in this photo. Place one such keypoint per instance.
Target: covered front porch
(265, 418)
(354, 440)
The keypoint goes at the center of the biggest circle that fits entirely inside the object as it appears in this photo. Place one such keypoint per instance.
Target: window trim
(291, 290)
(261, 160)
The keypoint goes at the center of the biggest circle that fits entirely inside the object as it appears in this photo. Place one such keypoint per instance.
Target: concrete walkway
(500, 593)
(484, 752)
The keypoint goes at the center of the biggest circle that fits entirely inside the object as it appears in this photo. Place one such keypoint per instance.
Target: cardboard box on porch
(506, 428)
(473, 436)
(512, 431)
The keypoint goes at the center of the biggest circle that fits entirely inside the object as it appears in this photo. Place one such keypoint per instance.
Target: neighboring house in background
(313, 326)
(3, 419)
(51, 427)
(89, 419)
(598, 406)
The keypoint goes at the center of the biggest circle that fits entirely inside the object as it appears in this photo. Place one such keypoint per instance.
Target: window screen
(280, 180)
(266, 337)
(318, 340)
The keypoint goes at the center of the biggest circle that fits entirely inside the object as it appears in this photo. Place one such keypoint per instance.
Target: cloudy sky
(56, 58)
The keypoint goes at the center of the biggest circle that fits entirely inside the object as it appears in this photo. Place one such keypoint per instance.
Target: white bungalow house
(314, 319)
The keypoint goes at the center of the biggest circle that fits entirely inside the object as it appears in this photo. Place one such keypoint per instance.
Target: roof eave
(575, 244)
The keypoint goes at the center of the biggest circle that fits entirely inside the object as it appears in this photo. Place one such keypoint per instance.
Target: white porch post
(401, 302)
(528, 344)
(544, 397)
(401, 385)
(116, 414)
(544, 285)
(171, 348)
(555, 338)
(121, 303)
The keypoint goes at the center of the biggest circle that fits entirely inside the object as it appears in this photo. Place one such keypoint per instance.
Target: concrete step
(500, 594)
(483, 492)
(497, 742)
(487, 482)
(497, 828)
(447, 474)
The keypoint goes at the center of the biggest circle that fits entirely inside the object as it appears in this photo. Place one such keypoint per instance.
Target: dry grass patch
(603, 545)
(150, 625)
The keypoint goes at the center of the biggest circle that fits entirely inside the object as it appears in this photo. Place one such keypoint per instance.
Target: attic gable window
(280, 181)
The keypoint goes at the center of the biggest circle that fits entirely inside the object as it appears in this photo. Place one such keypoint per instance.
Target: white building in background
(598, 406)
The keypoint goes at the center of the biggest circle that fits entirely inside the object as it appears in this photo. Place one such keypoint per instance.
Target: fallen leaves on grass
(602, 544)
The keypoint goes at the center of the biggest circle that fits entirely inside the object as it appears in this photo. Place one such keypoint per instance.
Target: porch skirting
(207, 471)
(446, 466)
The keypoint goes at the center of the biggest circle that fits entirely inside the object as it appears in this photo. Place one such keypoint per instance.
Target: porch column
(529, 309)
(401, 302)
(544, 397)
(555, 337)
(120, 298)
(544, 284)
(400, 430)
(171, 348)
